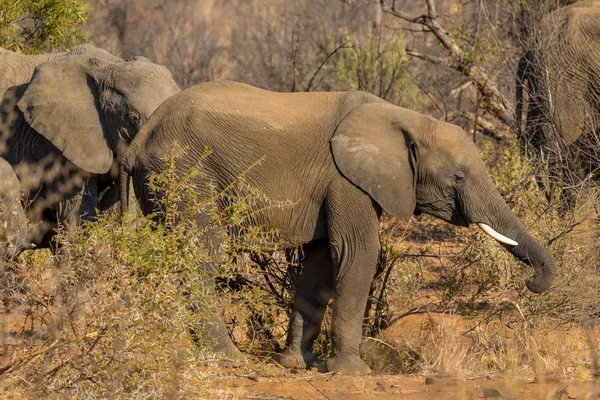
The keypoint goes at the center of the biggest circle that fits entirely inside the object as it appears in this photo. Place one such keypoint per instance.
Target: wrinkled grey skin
(561, 75)
(343, 157)
(13, 224)
(68, 125)
(16, 69)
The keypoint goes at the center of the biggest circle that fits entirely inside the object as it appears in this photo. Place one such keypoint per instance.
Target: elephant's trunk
(127, 163)
(530, 252)
(505, 227)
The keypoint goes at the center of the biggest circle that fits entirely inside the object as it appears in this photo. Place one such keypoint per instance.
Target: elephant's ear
(61, 103)
(373, 153)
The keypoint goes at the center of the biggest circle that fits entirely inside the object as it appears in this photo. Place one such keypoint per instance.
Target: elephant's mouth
(450, 215)
(458, 218)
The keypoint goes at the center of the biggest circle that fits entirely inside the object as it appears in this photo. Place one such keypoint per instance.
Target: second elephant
(558, 83)
(68, 126)
(341, 158)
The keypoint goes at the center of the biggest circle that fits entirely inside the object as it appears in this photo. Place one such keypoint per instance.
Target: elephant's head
(410, 163)
(87, 107)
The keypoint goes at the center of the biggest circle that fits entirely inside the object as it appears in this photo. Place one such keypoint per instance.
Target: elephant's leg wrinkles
(353, 234)
(311, 301)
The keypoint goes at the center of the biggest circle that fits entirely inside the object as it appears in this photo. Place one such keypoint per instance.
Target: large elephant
(561, 75)
(68, 126)
(341, 158)
(13, 224)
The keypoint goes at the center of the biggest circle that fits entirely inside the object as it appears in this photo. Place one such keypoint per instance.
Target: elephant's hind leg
(210, 330)
(310, 303)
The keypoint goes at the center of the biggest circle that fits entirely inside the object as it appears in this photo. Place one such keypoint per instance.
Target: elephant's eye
(134, 118)
(460, 176)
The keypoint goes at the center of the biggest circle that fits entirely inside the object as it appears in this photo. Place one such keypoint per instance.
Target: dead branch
(489, 128)
(492, 98)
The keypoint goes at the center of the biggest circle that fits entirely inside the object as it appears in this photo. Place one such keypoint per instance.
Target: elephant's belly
(294, 225)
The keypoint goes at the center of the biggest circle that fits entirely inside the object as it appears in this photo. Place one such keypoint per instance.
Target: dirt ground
(270, 381)
(276, 383)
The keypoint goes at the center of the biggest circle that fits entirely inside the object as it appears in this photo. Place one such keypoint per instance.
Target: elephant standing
(69, 124)
(342, 158)
(561, 75)
(13, 224)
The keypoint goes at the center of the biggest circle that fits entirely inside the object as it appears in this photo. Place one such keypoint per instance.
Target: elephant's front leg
(311, 301)
(353, 221)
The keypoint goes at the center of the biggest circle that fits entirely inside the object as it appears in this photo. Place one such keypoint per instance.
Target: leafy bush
(378, 64)
(114, 317)
(33, 26)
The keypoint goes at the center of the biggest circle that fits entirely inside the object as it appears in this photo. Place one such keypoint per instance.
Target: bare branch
(341, 46)
(491, 97)
(489, 128)
(446, 61)
(431, 9)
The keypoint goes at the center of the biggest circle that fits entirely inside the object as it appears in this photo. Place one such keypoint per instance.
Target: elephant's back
(239, 105)
(235, 120)
(247, 117)
(16, 69)
(573, 23)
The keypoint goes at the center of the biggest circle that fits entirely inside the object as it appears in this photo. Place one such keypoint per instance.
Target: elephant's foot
(229, 354)
(349, 364)
(294, 359)
(218, 342)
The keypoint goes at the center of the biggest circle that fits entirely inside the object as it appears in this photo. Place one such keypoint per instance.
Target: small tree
(33, 26)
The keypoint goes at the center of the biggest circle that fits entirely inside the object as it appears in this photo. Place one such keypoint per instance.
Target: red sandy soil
(277, 383)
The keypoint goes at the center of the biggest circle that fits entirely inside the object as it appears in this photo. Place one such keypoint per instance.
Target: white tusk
(501, 238)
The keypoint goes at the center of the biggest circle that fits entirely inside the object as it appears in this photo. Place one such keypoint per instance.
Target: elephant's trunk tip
(544, 276)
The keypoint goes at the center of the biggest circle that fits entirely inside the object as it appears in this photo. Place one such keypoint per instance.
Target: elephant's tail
(127, 165)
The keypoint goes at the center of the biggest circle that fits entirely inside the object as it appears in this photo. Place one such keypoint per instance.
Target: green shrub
(33, 26)
(114, 318)
(377, 65)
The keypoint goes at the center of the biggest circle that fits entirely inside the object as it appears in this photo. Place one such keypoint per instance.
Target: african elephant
(341, 158)
(68, 126)
(13, 224)
(561, 76)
